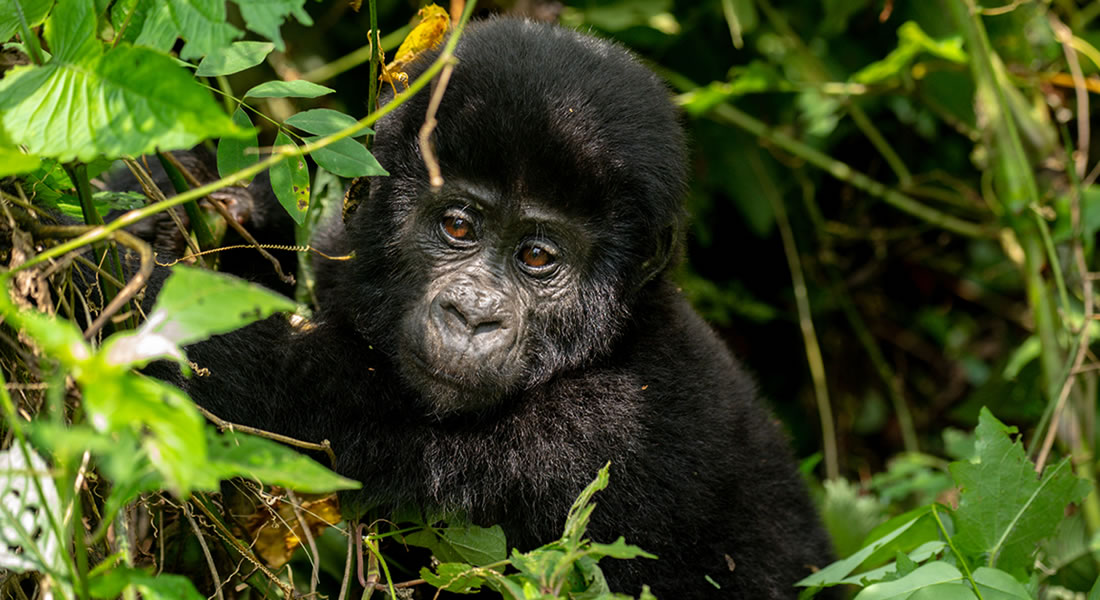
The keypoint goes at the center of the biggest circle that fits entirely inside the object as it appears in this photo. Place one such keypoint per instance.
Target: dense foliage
(895, 216)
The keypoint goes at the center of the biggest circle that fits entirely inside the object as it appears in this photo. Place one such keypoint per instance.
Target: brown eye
(458, 227)
(536, 257)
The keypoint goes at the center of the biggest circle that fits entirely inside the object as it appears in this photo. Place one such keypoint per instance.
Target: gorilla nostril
(487, 327)
(452, 310)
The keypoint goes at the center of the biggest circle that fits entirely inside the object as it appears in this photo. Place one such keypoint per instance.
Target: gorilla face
(502, 274)
(562, 199)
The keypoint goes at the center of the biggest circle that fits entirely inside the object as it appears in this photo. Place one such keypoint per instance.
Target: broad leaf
(347, 158)
(174, 440)
(290, 182)
(85, 103)
(299, 88)
(234, 454)
(152, 587)
(458, 578)
(27, 541)
(462, 544)
(995, 584)
(322, 121)
(1005, 509)
(33, 11)
(193, 305)
(266, 16)
(203, 24)
(234, 58)
(932, 575)
(235, 154)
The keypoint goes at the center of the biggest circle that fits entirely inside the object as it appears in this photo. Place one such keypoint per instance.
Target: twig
(243, 550)
(224, 425)
(136, 283)
(315, 559)
(230, 220)
(205, 550)
(805, 320)
(154, 193)
(345, 583)
(430, 160)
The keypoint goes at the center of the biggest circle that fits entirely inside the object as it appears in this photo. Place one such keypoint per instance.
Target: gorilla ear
(358, 192)
(664, 248)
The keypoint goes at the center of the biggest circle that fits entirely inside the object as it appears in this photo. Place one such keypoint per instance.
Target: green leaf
(203, 24)
(995, 584)
(462, 544)
(912, 40)
(1004, 508)
(323, 121)
(172, 425)
(581, 511)
(903, 564)
(58, 338)
(266, 16)
(298, 88)
(290, 182)
(129, 101)
(234, 454)
(234, 58)
(193, 305)
(933, 574)
(900, 533)
(34, 11)
(27, 541)
(849, 515)
(14, 161)
(618, 549)
(458, 578)
(347, 158)
(235, 154)
(159, 587)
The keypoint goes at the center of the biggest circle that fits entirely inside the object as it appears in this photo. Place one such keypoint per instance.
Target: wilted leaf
(274, 526)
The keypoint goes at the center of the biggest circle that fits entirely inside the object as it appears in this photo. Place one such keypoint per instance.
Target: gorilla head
(562, 198)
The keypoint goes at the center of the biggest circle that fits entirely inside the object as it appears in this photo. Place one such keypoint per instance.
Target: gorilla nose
(475, 323)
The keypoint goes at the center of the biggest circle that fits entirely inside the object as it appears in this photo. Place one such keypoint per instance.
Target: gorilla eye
(458, 228)
(536, 258)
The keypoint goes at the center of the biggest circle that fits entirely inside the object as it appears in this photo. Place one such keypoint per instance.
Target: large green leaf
(152, 587)
(193, 305)
(172, 426)
(203, 24)
(27, 541)
(85, 103)
(322, 121)
(265, 16)
(1005, 509)
(33, 11)
(234, 454)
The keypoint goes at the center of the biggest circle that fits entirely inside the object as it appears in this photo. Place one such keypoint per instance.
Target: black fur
(550, 135)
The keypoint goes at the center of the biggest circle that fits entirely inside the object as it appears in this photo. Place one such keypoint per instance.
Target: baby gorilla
(494, 342)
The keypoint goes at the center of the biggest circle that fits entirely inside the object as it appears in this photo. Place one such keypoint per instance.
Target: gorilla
(493, 342)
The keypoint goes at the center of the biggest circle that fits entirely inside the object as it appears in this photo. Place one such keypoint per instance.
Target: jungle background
(894, 217)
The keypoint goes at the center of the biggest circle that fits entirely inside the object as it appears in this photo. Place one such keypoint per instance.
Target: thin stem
(962, 559)
(805, 321)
